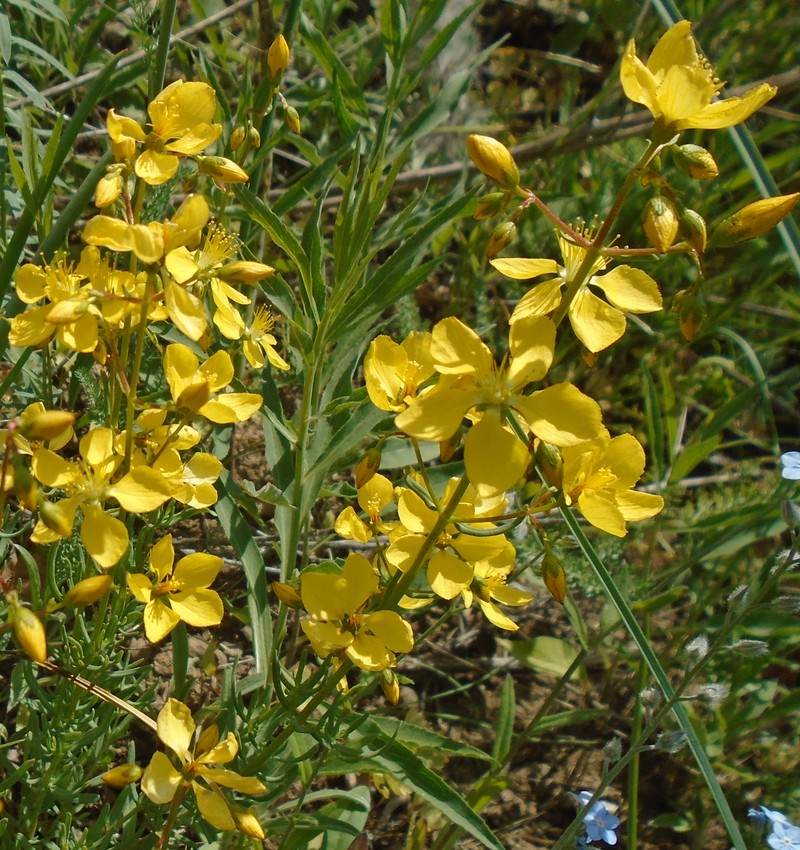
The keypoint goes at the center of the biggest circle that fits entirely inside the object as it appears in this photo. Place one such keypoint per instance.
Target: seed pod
(555, 580)
(502, 236)
(489, 205)
(693, 230)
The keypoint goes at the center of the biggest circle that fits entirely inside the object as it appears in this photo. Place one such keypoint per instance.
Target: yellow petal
(230, 779)
(539, 301)
(562, 415)
(156, 168)
(596, 324)
(531, 343)
(496, 617)
(31, 328)
(391, 629)
(160, 780)
(457, 350)
(448, 575)
(215, 751)
(186, 310)
(675, 47)
(200, 137)
(162, 556)
(218, 370)
(521, 268)
(213, 807)
(326, 638)
(119, 127)
(141, 490)
(175, 727)
(635, 506)
(624, 456)
(52, 470)
(80, 335)
(638, 82)
(495, 458)
(732, 110)
(683, 92)
(30, 282)
(435, 415)
(384, 368)
(140, 586)
(104, 537)
(227, 408)
(630, 289)
(199, 608)
(602, 512)
(159, 620)
(181, 264)
(349, 525)
(415, 515)
(369, 653)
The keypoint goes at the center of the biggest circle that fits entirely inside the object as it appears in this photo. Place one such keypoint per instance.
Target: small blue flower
(790, 461)
(784, 836)
(599, 822)
(763, 814)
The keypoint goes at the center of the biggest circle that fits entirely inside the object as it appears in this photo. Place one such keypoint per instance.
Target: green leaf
(505, 721)
(548, 655)
(693, 454)
(241, 539)
(418, 738)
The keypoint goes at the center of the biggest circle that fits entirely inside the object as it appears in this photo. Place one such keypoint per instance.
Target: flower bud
(671, 742)
(124, 150)
(291, 119)
(549, 461)
(753, 220)
(693, 230)
(108, 189)
(122, 775)
(247, 823)
(56, 518)
(26, 488)
(490, 205)
(366, 468)
(448, 447)
(391, 687)
(278, 57)
(87, 591)
(245, 271)
(691, 311)
(660, 223)
(287, 594)
(254, 138)
(222, 169)
(36, 424)
(493, 159)
(750, 648)
(502, 236)
(237, 137)
(695, 161)
(554, 577)
(29, 633)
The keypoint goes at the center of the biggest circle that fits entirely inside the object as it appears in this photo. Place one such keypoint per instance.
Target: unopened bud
(29, 633)
(222, 169)
(245, 271)
(502, 236)
(698, 647)
(26, 488)
(493, 159)
(122, 775)
(36, 424)
(693, 230)
(448, 447)
(237, 137)
(739, 595)
(555, 580)
(291, 118)
(366, 468)
(287, 594)
(750, 648)
(713, 693)
(247, 823)
(278, 57)
(549, 461)
(108, 189)
(791, 513)
(612, 750)
(691, 311)
(671, 742)
(660, 223)
(391, 687)
(788, 604)
(56, 518)
(87, 591)
(254, 138)
(490, 205)
(753, 220)
(695, 161)
(650, 698)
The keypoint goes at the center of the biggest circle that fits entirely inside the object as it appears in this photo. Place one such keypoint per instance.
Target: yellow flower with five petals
(678, 86)
(597, 323)
(177, 592)
(200, 768)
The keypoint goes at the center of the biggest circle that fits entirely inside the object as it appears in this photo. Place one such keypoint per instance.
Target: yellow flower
(199, 766)
(192, 386)
(337, 622)
(87, 483)
(259, 344)
(177, 593)
(394, 373)
(373, 497)
(472, 383)
(596, 323)
(180, 118)
(451, 567)
(600, 475)
(678, 85)
(489, 588)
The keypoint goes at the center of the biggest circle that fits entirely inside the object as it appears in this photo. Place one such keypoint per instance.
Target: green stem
(158, 71)
(133, 383)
